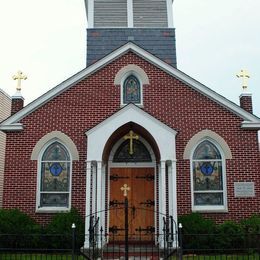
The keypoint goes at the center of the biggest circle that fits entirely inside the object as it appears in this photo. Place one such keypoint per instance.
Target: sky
(47, 41)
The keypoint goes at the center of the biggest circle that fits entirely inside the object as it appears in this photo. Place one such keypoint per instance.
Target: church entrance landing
(138, 185)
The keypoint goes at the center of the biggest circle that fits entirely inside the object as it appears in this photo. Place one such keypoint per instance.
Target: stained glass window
(55, 176)
(140, 153)
(131, 90)
(207, 168)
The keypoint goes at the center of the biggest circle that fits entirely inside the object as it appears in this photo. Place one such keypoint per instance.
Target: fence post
(73, 226)
(180, 241)
(126, 228)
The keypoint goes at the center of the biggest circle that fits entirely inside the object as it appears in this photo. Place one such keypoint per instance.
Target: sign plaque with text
(244, 189)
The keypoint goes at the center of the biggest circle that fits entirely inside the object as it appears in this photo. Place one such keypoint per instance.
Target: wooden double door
(141, 203)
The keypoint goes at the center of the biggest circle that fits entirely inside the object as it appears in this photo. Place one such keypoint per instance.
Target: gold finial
(19, 77)
(131, 136)
(125, 189)
(245, 76)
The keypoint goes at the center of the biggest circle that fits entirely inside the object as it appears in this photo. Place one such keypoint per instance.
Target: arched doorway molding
(100, 141)
(163, 135)
(116, 139)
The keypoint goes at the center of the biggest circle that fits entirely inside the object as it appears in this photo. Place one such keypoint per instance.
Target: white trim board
(252, 122)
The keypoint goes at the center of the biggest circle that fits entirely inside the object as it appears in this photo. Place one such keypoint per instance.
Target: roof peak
(12, 123)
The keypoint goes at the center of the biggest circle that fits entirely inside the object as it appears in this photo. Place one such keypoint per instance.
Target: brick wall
(5, 111)
(17, 104)
(96, 98)
(246, 102)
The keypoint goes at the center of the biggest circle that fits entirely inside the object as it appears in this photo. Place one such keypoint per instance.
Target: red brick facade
(94, 99)
(246, 102)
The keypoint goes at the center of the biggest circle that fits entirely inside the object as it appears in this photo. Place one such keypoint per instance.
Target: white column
(170, 13)
(130, 14)
(103, 196)
(172, 188)
(99, 214)
(99, 188)
(162, 198)
(88, 203)
(90, 13)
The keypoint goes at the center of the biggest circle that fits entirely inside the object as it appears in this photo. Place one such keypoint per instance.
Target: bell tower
(147, 23)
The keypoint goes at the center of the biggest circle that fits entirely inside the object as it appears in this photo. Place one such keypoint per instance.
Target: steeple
(147, 23)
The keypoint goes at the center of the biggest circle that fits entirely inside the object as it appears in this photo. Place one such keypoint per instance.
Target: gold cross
(125, 189)
(131, 136)
(19, 76)
(245, 76)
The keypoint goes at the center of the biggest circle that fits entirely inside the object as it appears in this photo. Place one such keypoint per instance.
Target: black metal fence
(144, 243)
(105, 246)
(41, 246)
(244, 246)
(62, 247)
(147, 243)
(111, 246)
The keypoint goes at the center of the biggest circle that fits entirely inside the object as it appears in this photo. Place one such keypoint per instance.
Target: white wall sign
(244, 189)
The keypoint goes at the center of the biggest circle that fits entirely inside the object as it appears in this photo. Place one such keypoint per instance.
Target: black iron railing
(111, 246)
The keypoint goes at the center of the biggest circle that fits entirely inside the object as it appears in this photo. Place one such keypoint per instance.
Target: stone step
(139, 252)
(132, 258)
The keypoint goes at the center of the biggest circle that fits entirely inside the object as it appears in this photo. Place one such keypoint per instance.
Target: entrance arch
(100, 141)
(136, 170)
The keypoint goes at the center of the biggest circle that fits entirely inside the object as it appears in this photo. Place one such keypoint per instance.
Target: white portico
(97, 184)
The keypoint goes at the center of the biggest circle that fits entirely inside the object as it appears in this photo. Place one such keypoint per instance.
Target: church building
(132, 124)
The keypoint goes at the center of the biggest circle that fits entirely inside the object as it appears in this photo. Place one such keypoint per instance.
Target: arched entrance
(102, 143)
(132, 172)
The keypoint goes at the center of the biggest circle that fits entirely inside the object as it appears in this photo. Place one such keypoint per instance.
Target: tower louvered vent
(150, 13)
(110, 13)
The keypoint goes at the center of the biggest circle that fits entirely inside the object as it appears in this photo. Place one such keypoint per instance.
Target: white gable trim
(250, 125)
(164, 136)
(249, 118)
(13, 127)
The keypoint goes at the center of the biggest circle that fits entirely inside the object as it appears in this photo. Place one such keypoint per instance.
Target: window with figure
(55, 177)
(131, 90)
(208, 177)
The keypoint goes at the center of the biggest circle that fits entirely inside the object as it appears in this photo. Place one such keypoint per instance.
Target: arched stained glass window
(55, 176)
(207, 169)
(206, 150)
(56, 151)
(140, 153)
(131, 90)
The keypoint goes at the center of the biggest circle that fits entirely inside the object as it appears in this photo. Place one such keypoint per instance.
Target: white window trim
(38, 193)
(60, 137)
(129, 73)
(210, 208)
